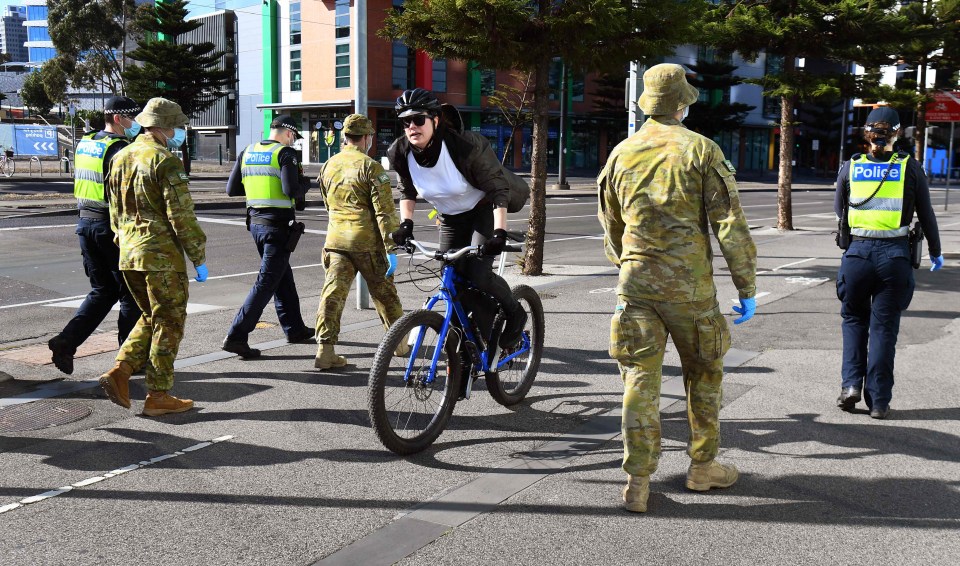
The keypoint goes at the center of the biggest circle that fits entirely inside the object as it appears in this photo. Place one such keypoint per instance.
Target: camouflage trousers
(155, 340)
(341, 269)
(638, 338)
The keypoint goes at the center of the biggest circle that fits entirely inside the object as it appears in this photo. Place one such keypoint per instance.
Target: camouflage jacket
(356, 192)
(151, 210)
(660, 192)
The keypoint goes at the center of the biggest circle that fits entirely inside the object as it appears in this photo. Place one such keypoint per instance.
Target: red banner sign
(945, 107)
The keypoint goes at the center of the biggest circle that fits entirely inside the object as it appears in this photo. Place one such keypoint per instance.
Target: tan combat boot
(162, 403)
(635, 494)
(327, 358)
(404, 348)
(705, 475)
(116, 383)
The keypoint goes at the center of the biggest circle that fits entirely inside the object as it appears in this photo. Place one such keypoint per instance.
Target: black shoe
(513, 329)
(62, 353)
(305, 334)
(879, 412)
(849, 397)
(242, 349)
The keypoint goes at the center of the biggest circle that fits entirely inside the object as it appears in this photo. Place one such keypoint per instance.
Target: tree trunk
(920, 140)
(785, 182)
(506, 147)
(533, 256)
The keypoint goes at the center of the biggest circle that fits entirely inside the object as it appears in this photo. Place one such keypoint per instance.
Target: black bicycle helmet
(417, 101)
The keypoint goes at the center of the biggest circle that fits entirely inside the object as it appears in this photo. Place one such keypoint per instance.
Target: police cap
(121, 105)
(285, 121)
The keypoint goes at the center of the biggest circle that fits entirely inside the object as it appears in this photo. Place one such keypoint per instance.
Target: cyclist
(460, 175)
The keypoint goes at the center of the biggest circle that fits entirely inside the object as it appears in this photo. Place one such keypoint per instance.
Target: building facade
(13, 34)
(39, 46)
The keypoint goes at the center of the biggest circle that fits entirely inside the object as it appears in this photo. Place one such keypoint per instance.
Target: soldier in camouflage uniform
(356, 192)
(658, 192)
(151, 212)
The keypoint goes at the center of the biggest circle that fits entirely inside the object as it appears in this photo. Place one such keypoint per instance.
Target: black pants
(473, 228)
(101, 258)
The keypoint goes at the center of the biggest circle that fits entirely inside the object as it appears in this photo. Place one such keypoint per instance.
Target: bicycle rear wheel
(512, 381)
(406, 412)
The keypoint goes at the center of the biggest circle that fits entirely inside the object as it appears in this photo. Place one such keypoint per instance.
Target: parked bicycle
(7, 165)
(411, 396)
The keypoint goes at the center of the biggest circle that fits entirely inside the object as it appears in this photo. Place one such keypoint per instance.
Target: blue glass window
(38, 33)
(440, 75)
(36, 12)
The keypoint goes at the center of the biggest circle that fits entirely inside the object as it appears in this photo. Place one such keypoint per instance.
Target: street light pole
(562, 138)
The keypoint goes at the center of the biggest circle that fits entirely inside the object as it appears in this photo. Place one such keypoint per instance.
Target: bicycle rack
(65, 166)
(36, 160)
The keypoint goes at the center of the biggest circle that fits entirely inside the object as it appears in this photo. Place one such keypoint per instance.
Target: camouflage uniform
(152, 215)
(356, 192)
(659, 191)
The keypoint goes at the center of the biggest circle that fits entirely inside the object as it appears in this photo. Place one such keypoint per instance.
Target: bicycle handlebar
(451, 255)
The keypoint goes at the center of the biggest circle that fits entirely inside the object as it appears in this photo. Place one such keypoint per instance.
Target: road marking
(244, 224)
(41, 302)
(257, 272)
(818, 215)
(74, 225)
(597, 237)
(107, 475)
(807, 280)
(556, 217)
(757, 296)
(949, 225)
(794, 263)
(192, 308)
(776, 204)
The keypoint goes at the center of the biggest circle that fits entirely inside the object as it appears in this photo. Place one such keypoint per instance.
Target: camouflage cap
(357, 125)
(666, 90)
(162, 113)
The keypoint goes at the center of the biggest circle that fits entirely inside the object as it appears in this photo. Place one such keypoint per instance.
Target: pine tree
(789, 30)
(589, 35)
(716, 116)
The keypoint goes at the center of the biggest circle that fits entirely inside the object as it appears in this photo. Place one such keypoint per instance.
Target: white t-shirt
(443, 185)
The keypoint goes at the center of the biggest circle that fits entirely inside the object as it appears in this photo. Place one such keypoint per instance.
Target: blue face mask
(179, 136)
(132, 131)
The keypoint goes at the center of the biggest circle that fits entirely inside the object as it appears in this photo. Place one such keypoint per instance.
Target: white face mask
(686, 112)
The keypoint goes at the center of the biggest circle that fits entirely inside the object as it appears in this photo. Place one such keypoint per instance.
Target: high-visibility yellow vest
(261, 177)
(88, 166)
(880, 216)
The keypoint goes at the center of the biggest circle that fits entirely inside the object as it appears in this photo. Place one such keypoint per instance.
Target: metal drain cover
(42, 414)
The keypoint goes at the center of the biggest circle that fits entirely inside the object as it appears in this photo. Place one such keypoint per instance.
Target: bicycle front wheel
(8, 168)
(409, 405)
(512, 380)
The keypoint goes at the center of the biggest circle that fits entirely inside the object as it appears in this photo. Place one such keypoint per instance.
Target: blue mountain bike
(428, 361)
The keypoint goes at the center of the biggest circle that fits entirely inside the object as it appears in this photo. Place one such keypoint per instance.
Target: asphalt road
(296, 475)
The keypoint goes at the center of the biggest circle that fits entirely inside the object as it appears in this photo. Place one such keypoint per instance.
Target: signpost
(945, 107)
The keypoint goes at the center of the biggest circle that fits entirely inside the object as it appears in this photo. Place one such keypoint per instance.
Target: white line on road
(111, 474)
(74, 225)
(597, 237)
(776, 204)
(244, 223)
(779, 267)
(43, 302)
(257, 272)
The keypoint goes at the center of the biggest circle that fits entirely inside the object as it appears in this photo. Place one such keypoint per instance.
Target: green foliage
(88, 34)
(513, 102)
(609, 94)
(187, 73)
(715, 116)
(34, 96)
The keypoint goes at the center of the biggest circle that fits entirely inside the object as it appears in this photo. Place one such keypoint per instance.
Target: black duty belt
(904, 238)
(94, 214)
(269, 222)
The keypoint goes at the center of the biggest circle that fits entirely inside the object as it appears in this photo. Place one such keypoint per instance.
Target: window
(295, 72)
(36, 12)
(403, 66)
(38, 33)
(41, 54)
(440, 75)
(342, 19)
(488, 81)
(295, 24)
(343, 65)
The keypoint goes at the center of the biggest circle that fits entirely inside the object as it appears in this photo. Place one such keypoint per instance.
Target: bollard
(220, 153)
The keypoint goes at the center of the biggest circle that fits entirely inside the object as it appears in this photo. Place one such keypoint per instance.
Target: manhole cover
(41, 414)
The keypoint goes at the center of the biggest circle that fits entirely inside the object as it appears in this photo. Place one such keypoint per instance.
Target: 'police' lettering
(257, 158)
(90, 149)
(875, 172)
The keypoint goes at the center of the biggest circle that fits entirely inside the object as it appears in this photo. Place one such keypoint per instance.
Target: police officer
(356, 192)
(878, 192)
(100, 253)
(151, 212)
(270, 175)
(659, 191)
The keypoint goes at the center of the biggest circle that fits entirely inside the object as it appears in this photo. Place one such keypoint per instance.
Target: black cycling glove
(404, 233)
(495, 244)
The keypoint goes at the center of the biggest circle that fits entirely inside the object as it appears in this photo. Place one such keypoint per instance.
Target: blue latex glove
(745, 310)
(202, 273)
(392, 259)
(937, 263)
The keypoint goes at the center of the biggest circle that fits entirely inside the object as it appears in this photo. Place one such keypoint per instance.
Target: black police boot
(242, 349)
(849, 397)
(304, 334)
(513, 328)
(879, 412)
(62, 353)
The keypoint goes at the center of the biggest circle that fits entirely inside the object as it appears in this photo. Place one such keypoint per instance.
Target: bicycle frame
(448, 294)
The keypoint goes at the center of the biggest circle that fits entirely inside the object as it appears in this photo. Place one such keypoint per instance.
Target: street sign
(815, 145)
(36, 140)
(945, 107)
(338, 125)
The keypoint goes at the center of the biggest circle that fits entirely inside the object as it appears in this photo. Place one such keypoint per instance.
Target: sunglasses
(418, 120)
